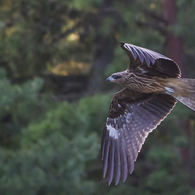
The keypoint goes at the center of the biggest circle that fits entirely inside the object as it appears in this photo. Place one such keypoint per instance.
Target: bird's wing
(132, 116)
(142, 56)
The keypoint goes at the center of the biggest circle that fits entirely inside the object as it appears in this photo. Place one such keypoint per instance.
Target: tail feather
(187, 101)
(189, 98)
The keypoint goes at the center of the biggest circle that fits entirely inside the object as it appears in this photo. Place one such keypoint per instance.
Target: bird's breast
(145, 84)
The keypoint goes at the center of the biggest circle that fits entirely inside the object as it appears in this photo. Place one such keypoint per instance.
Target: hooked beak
(109, 79)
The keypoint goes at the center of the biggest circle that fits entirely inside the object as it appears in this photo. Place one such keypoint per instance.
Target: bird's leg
(169, 90)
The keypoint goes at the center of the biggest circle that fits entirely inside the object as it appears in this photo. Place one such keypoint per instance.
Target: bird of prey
(152, 88)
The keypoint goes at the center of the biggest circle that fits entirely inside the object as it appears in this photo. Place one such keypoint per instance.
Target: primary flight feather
(152, 87)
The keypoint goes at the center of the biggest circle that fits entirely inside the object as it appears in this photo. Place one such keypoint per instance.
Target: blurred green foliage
(52, 147)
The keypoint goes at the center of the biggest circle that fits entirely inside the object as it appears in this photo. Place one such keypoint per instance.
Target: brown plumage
(152, 87)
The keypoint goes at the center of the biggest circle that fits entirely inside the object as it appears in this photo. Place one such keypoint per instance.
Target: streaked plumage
(152, 87)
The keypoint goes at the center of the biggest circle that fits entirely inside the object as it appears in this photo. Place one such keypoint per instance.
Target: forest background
(54, 58)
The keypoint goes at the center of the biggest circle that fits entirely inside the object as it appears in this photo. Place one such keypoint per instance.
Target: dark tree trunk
(174, 43)
(103, 55)
(103, 50)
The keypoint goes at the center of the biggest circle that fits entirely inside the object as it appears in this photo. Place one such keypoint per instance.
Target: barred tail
(188, 98)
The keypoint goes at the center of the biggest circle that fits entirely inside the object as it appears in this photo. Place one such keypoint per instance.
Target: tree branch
(155, 26)
(155, 16)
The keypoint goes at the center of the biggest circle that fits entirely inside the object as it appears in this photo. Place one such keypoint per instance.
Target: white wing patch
(112, 132)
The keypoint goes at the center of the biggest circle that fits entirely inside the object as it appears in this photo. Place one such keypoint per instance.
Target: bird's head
(116, 77)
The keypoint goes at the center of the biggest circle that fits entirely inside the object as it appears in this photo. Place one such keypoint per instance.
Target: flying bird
(152, 88)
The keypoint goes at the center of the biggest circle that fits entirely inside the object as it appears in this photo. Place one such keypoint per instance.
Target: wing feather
(151, 61)
(106, 154)
(140, 55)
(124, 168)
(130, 151)
(117, 161)
(124, 134)
(132, 50)
(111, 162)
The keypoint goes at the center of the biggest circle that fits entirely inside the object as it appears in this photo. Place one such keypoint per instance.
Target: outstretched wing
(132, 116)
(151, 60)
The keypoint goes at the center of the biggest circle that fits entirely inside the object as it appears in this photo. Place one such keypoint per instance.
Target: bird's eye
(116, 76)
